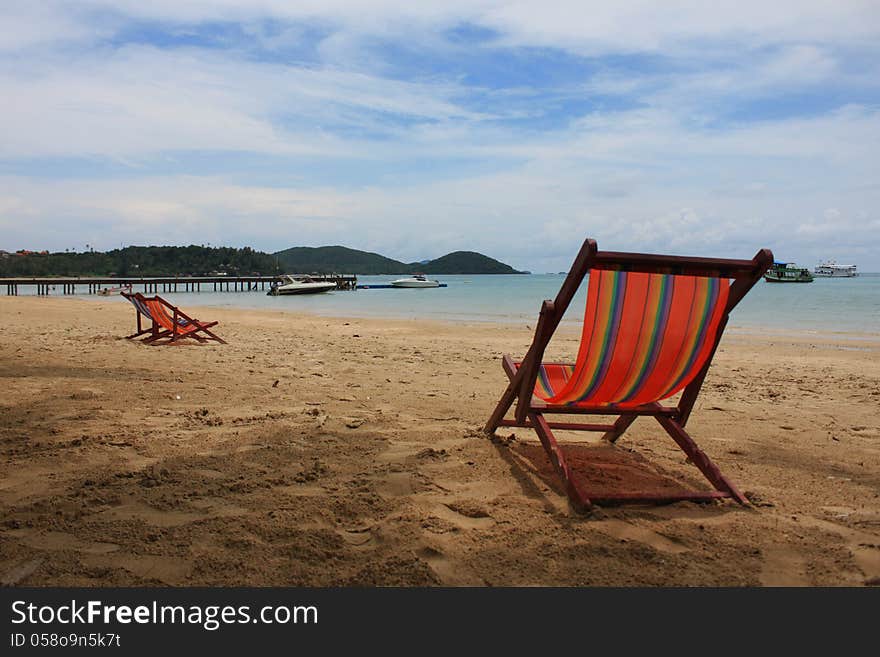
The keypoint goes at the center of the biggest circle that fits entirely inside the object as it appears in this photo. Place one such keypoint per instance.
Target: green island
(193, 260)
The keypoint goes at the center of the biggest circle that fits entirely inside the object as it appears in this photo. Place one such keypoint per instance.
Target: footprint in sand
(217, 507)
(449, 573)
(864, 546)
(17, 486)
(301, 490)
(628, 532)
(867, 558)
(395, 484)
(360, 538)
(61, 541)
(168, 570)
(21, 571)
(208, 507)
(782, 566)
(147, 514)
(464, 514)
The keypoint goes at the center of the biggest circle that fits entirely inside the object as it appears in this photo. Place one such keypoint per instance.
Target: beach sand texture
(316, 451)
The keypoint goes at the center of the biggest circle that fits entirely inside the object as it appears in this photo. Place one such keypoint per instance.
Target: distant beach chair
(167, 321)
(651, 327)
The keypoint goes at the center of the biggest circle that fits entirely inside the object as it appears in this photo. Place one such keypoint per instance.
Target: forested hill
(141, 261)
(340, 259)
(337, 260)
(464, 262)
(204, 261)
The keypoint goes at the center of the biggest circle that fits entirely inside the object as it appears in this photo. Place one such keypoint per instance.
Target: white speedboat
(830, 269)
(301, 285)
(417, 280)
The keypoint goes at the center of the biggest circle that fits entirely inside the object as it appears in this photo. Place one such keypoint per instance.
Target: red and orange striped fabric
(166, 321)
(645, 337)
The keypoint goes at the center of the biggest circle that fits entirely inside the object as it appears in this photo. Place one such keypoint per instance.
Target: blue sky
(415, 129)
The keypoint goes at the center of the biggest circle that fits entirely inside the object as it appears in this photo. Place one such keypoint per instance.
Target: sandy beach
(322, 452)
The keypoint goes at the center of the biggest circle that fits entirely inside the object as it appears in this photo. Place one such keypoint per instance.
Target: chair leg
(578, 498)
(699, 458)
(501, 409)
(139, 333)
(155, 335)
(215, 337)
(620, 425)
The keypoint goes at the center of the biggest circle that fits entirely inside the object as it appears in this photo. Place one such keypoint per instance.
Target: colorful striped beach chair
(651, 327)
(167, 322)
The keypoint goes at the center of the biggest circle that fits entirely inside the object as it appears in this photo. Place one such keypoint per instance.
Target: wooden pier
(93, 285)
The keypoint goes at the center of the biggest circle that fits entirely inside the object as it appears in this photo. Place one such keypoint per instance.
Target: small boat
(788, 272)
(109, 291)
(416, 280)
(830, 269)
(300, 285)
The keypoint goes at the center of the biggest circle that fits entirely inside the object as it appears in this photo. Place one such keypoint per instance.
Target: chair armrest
(531, 363)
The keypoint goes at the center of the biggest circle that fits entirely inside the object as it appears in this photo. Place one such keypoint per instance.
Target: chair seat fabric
(645, 337)
(160, 315)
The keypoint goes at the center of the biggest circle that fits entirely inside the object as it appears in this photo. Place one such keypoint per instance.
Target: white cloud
(586, 26)
(27, 24)
(644, 25)
(143, 100)
(653, 163)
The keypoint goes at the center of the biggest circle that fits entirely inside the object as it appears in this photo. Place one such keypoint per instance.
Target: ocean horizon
(845, 305)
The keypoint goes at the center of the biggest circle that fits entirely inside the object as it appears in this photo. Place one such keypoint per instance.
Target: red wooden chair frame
(169, 326)
(530, 411)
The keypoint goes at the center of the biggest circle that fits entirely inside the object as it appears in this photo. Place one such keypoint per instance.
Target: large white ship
(830, 269)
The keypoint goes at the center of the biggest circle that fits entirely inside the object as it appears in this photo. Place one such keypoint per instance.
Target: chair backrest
(651, 325)
(645, 336)
(138, 302)
(157, 309)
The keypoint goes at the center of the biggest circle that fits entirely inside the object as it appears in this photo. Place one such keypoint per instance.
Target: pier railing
(94, 284)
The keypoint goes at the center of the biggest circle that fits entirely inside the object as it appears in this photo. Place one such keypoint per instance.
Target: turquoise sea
(850, 305)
